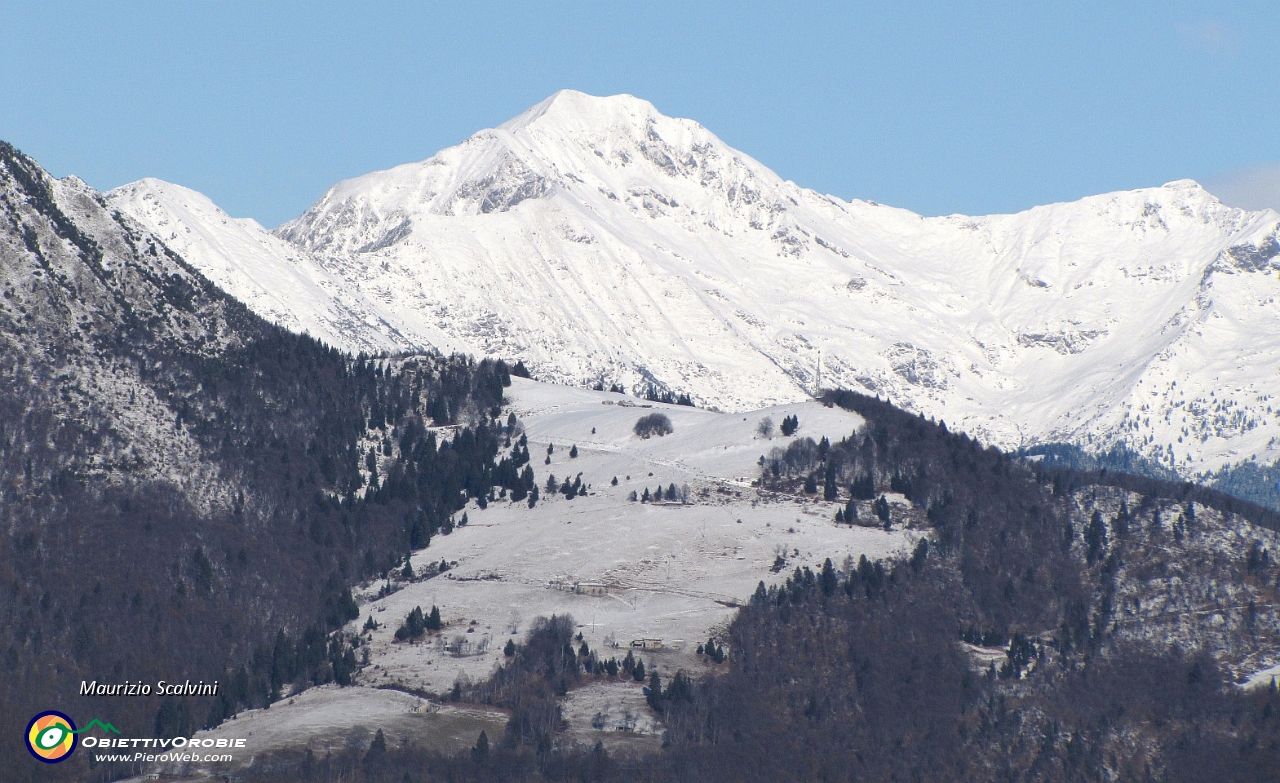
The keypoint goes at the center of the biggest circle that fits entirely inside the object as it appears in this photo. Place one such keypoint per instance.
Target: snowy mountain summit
(600, 241)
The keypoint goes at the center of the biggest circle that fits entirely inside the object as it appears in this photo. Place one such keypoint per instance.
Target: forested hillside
(1048, 625)
(186, 491)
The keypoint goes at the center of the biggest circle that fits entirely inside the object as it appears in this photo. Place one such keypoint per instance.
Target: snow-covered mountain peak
(158, 196)
(602, 242)
(576, 111)
(1184, 185)
(577, 150)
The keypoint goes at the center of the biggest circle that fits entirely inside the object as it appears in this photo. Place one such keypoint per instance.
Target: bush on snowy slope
(653, 424)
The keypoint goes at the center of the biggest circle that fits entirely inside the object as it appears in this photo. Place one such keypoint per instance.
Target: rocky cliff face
(94, 316)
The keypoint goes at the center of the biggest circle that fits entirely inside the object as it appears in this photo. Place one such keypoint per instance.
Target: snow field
(614, 714)
(329, 718)
(673, 572)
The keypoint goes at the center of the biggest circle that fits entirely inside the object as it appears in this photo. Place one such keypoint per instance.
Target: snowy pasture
(670, 572)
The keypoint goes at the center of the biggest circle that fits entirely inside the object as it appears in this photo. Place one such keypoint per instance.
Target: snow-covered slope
(599, 240)
(277, 280)
(673, 572)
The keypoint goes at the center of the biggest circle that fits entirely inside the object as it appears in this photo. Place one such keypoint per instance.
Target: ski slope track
(598, 240)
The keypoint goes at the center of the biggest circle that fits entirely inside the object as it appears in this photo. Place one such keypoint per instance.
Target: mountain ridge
(601, 242)
(184, 484)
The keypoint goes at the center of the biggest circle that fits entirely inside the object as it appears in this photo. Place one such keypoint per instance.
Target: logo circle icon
(51, 736)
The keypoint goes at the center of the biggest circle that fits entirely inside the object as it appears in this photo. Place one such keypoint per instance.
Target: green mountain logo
(107, 727)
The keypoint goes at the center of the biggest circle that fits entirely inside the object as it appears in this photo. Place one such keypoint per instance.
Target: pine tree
(1258, 559)
(862, 487)
(573, 452)
(1120, 525)
(521, 489)
(510, 649)
(789, 425)
(413, 625)
(828, 578)
(881, 507)
(714, 651)
(433, 622)
(377, 749)
(653, 693)
(919, 554)
(1095, 538)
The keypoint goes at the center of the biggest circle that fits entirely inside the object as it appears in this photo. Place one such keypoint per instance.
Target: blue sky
(938, 107)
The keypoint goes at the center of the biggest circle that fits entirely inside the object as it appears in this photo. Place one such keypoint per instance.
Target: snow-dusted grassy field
(329, 717)
(673, 572)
